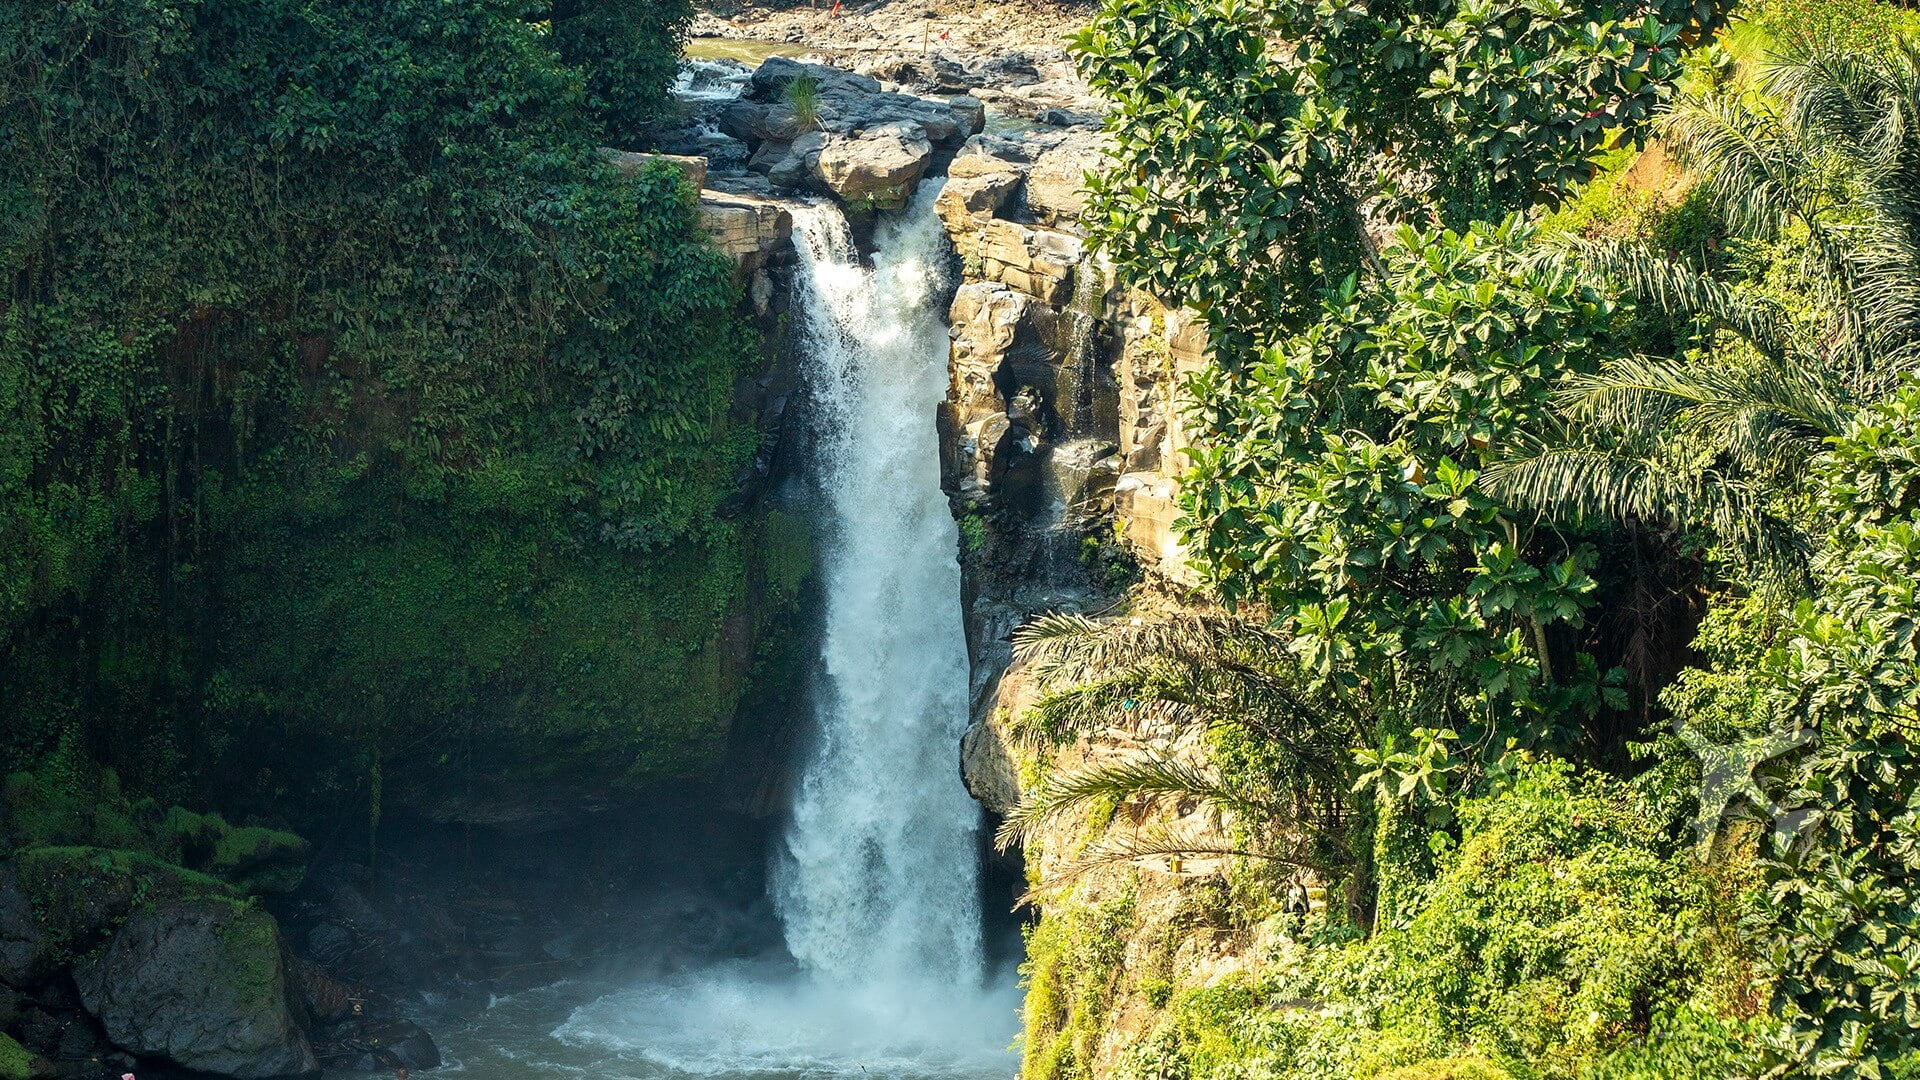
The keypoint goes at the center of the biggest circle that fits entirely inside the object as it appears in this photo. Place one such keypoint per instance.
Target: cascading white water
(878, 882)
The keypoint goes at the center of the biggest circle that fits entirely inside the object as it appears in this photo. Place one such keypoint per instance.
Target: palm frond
(1134, 699)
(1071, 648)
(1679, 289)
(1641, 394)
(1151, 778)
(1160, 842)
(1756, 168)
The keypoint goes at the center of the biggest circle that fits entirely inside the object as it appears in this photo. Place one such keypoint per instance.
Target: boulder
(966, 198)
(877, 169)
(632, 165)
(26, 956)
(988, 769)
(843, 103)
(756, 122)
(798, 163)
(1055, 116)
(1010, 70)
(773, 79)
(203, 984)
(746, 227)
(972, 113)
(384, 1047)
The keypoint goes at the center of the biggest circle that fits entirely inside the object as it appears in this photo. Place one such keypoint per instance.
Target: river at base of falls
(747, 1020)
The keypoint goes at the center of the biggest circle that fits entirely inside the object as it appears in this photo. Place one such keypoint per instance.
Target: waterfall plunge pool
(746, 1020)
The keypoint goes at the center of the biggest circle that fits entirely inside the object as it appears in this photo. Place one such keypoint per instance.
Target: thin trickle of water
(877, 883)
(1083, 317)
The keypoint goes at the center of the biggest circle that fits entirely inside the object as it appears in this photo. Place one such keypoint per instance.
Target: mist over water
(876, 877)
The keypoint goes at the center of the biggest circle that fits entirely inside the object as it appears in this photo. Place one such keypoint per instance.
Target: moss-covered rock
(79, 895)
(69, 805)
(252, 858)
(202, 983)
(17, 1064)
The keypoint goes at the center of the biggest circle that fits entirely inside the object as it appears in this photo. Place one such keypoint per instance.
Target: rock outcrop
(876, 167)
(1061, 434)
(817, 128)
(202, 984)
(749, 228)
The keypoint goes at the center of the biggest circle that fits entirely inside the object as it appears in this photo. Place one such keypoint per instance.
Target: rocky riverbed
(1012, 54)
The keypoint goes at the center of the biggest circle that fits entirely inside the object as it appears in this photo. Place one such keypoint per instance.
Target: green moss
(973, 532)
(63, 803)
(1561, 938)
(1073, 958)
(787, 551)
(81, 894)
(66, 806)
(249, 955)
(15, 1062)
(261, 860)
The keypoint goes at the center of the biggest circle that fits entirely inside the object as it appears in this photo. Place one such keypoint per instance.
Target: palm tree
(1172, 680)
(1824, 154)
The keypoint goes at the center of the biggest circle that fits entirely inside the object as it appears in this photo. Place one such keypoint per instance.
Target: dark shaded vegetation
(364, 431)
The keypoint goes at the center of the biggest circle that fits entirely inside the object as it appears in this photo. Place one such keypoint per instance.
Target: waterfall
(878, 879)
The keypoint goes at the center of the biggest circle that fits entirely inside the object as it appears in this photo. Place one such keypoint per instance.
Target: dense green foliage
(1257, 136)
(1338, 488)
(1560, 931)
(1437, 478)
(357, 414)
(628, 52)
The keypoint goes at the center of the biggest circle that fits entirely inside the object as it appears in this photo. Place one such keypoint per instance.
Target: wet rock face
(202, 984)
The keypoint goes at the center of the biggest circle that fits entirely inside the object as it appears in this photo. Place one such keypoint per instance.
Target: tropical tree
(1816, 173)
(627, 52)
(1840, 670)
(1338, 488)
(1262, 144)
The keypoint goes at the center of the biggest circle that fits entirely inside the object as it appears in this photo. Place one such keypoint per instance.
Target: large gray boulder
(772, 79)
(203, 984)
(842, 103)
(878, 168)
